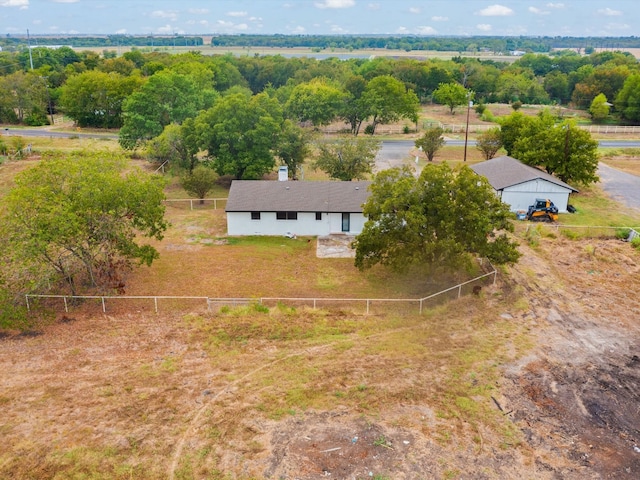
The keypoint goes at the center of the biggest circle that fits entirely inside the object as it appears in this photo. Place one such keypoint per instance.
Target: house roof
(503, 172)
(274, 196)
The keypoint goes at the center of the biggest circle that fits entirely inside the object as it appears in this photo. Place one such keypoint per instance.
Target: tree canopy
(439, 220)
(80, 219)
(431, 141)
(564, 150)
(452, 95)
(240, 134)
(347, 157)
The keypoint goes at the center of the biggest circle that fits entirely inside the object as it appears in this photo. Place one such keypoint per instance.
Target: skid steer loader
(542, 211)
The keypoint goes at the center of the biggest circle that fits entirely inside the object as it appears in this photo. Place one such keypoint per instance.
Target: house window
(318, 215)
(255, 215)
(286, 215)
(346, 222)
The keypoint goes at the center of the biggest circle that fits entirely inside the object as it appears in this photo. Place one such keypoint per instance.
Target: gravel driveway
(621, 186)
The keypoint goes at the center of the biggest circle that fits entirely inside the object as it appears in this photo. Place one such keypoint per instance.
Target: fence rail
(196, 203)
(211, 304)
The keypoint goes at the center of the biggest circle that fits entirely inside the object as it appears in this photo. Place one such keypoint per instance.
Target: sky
(577, 18)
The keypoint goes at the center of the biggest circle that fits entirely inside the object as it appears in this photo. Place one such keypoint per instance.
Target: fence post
(420, 307)
(26, 297)
(155, 301)
(191, 203)
(459, 291)
(495, 276)
(367, 306)
(215, 203)
(66, 307)
(104, 309)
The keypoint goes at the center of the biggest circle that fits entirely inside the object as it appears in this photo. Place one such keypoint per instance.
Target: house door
(346, 222)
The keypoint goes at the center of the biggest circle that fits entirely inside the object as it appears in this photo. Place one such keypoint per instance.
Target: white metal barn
(519, 185)
(257, 207)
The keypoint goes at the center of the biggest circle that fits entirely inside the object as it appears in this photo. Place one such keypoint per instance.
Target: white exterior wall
(519, 197)
(240, 223)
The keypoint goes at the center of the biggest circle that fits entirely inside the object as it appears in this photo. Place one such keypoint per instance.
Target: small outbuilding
(519, 185)
(257, 207)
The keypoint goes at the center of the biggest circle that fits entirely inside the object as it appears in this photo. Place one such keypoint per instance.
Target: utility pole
(466, 130)
(29, 45)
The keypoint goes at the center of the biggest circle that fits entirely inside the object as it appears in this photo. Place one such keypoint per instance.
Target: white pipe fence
(314, 301)
(204, 203)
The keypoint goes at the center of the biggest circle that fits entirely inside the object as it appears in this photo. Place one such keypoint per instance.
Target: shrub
(480, 108)
(623, 233)
(635, 243)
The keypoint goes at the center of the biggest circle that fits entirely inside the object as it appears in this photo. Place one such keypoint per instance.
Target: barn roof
(274, 196)
(503, 172)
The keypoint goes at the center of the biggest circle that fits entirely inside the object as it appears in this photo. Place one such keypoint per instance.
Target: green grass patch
(595, 208)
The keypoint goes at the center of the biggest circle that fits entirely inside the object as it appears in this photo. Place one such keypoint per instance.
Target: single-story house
(257, 207)
(519, 185)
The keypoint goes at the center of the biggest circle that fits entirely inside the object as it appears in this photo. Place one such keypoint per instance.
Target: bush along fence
(180, 303)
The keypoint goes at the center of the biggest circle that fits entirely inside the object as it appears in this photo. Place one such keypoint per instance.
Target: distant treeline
(13, 42)
(350, 42)
(451, 44)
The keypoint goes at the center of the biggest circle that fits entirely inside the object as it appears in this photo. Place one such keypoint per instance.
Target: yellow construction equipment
(542, 211)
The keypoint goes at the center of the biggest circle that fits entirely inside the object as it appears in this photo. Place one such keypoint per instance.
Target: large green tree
(167, 97)
(387, 100)
(452, 95)
(564, 150)
(240, 134)
(347, 157)
(94, 98)
(628, 99)
(81, 219)
(439, 220)
(317, 101)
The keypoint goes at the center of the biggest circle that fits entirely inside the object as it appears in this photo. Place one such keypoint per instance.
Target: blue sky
(422, 17)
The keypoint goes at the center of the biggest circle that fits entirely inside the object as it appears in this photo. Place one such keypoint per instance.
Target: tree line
(496, 44)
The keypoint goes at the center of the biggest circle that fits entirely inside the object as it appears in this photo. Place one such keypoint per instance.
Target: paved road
(621, 186)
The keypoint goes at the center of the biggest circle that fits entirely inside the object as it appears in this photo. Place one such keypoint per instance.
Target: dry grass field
(535, 377)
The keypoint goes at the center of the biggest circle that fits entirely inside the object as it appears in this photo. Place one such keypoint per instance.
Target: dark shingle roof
(505, 171)
(273, 196)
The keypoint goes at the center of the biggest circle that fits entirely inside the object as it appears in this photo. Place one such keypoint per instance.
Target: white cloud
(237, 14)
(373, 6)
(198, 11)
(338, 29)
(424, 30)
(440, 19)
(608, 12)
(335, 4)
(14, 3)
(122, 31)
(402, 30)
(555, 5)
(228, 27)
(537, 11)
(484, 27)
(166, 30)
(495, 11)
(299, 30)
(164, 14)
(415, 10)
(66, 1)
(615, 27)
